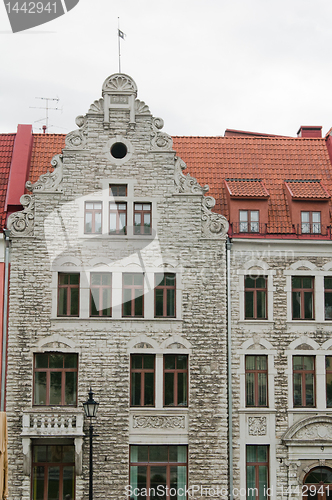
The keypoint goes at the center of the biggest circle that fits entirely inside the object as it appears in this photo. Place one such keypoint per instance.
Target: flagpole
(119, 45)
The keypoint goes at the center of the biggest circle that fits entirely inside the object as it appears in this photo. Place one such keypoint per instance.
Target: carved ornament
(185, 183)
(313, 429)
(119, 84)
(141, 108)
(158, 422)
(213, 225)
(160, 140)
(50, 181)
(97, 107)
(76, 139)
(257, 426)
(22, 223)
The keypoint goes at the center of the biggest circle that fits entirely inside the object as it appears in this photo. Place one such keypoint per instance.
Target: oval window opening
(119, 150)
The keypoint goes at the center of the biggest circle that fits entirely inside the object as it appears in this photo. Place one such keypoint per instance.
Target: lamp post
(90, 409)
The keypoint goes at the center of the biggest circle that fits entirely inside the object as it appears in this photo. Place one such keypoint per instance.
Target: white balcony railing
(38, 423)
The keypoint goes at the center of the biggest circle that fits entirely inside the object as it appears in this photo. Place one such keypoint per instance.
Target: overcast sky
(201, 65)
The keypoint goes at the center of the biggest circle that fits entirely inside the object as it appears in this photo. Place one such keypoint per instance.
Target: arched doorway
(317, 484)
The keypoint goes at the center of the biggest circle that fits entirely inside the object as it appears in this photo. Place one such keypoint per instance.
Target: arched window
(317, 484)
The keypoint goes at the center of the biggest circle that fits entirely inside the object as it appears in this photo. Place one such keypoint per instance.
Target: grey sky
(201, 65)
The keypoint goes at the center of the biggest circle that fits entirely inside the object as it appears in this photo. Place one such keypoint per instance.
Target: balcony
(288, 231)
(44, 423)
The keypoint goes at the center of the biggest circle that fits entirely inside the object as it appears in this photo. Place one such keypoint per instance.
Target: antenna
(47, 109)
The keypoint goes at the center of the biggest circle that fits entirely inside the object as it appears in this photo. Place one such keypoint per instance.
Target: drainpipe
(229, 368)
(5, 321)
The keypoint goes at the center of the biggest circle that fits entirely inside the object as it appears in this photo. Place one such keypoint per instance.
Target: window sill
(109, 318)
(309, 410)
(256, 321)
(257, 410)
(155, 409)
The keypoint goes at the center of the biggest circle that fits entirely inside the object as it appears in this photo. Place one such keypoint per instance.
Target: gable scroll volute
(51, 181)
(22, 223)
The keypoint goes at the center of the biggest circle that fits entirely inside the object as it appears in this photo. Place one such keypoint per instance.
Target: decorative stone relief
(119, 83)
(176, 345)
(141, 108)
(76, 139)
(257, 426)
(80, 121)
(213, 225)
(50, 181)
(315, 432)
(312, 429)
(143, 345)
(160, 140)
(185, 183)
(97, 107)
(158, 422)
(22, 223)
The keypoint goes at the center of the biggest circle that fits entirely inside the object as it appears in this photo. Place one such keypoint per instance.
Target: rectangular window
(55, 379)
(53, 472)
(310, 222)
(118, 218)
(68, 294)
(255, 297)
(328, 297)
(257, 471)
(304, 381)
(118, 190)
(93, 217)
(142, 367)
(249, 221)
(175, 380)
(328, 364)
(256, 381)
(164, 295)
(142, 218)
(158, 471)
(101, 294)
(133, 293)
(302, 297)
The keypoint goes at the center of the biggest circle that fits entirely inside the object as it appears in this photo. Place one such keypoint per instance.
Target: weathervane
(122, 35)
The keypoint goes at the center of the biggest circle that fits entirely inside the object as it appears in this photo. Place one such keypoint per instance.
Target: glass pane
(308, 302)
(261, 282)
(39, 454)
(56, 360)
(53, 483)
(74, 302)
(182, 389)
(106, 279)
(250, 362)
(182, 362)
(148, 361)
(94, 302)
(296, 282)
(170, 279)
(169, 389)
(146, 206)
(305, 217)
(41, 360)
(262, 480)
(159, 296)
(249, 308)
(307, 282)
(62, 301)
(298, 362)
(170, 303)
(138, 303)
(254, 216)
(169, 361)
(112, 222)
(138, 279)
(95, 278)
(40, 388)
(251, 494)
(38, 478)
(98, 222)
(249, 282)
(328, 305)
(261, 453)
(158, 454)
(261, 362)
(297, 389)
(121, 206)
(138, 206)
(250, 389)
(262, 389)
(148, 389)
(308, 362)
(251, 453)
(261, 304)
(136, 361)
(106, 294)
(70, 360)
(128, 279)
(159, 279)
(138, 477)
(55, 388)
(74, 279)
(315, 216)
(63, 279)
(296, 296)
(243, 215)
(135, 389)
(68, 454)
(89, 205)
(309, 389)
(329, 390)
(157, 479)
(88, 222)
(68, 483)
(328, 283)
(70, 388)
(142, 453)
(137, 219)
(127, 302)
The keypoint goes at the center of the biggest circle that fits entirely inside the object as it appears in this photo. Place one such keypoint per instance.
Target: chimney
(307, 131)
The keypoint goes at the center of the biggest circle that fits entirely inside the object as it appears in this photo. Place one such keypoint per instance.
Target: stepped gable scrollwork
(22, 223)
(185, 183)
(97, 107)
(159, 140)
(120, 83)
(51, 181)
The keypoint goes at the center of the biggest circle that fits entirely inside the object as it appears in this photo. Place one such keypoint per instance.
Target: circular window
(119, 150)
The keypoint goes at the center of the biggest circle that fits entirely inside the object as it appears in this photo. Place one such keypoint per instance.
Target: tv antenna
(47, 109)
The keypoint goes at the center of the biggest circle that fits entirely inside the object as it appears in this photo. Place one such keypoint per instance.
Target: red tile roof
(246, 188)
(44, 147)
(303, 190)
(6, 151)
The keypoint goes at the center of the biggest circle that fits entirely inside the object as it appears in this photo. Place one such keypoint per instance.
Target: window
(133, 290)
(257, 472)
(142, 379)
(118, 218)
(318, 484)
(255, 297)
(328, 297)
(68, 294)
(303, 297)
(175, 380)
(53, 472)
(328, 365)
(142, 218)
(155, 468)
(310, 222)
(55, 379)
(304, 381)
(256, 381)
(164, 295)
(118, 189)
(249, 221)
(101, 294)
(92, 217)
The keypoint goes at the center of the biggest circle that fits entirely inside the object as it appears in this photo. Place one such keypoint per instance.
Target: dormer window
(249, 221)
(310, 223)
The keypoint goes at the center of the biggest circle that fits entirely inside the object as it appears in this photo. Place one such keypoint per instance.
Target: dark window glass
(101, 294)
(256, 380)
(328, 364)
(118, 190)
(304, 381)
(175, 380)
(132, 294)
(302, 297)
(142, 218)
(257, 472)
(165, 286)
(68, 294)
(255, 297)
(328, 297)
(249, 221)
(310, 223)
(142, 379)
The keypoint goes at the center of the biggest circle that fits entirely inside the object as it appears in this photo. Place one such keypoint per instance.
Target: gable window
(158, 472)
(257, 471)
(310, 222)
(101, 294)
(68, 294)
(53, 472)
(118, 218)
(142, 367)
(256, 380)
(118, 190)
(328, 297)
(175, 380)
(55, 379)
(164, 295)
(93, 217)
(328, 365)
(302, 297)
(142, 218)
(255, 297)
(249, 221)
(304, 381)
(132, 289)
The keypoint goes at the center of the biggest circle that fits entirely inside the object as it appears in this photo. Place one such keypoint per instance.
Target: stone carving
(76, 139)
(176, 345)
(141, 108)
(322, 462)
(315, 432)
(80, 121)
(257, 426)
(22, 223)
(143, 345)
(97, 107)
(158, 422)
(160, 140)
(312, 429)
(50, 181)
(213, 225)
(119, 83)
(185, 183)
(158, 123)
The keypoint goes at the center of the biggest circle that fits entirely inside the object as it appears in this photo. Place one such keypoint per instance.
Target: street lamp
(90, 409)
